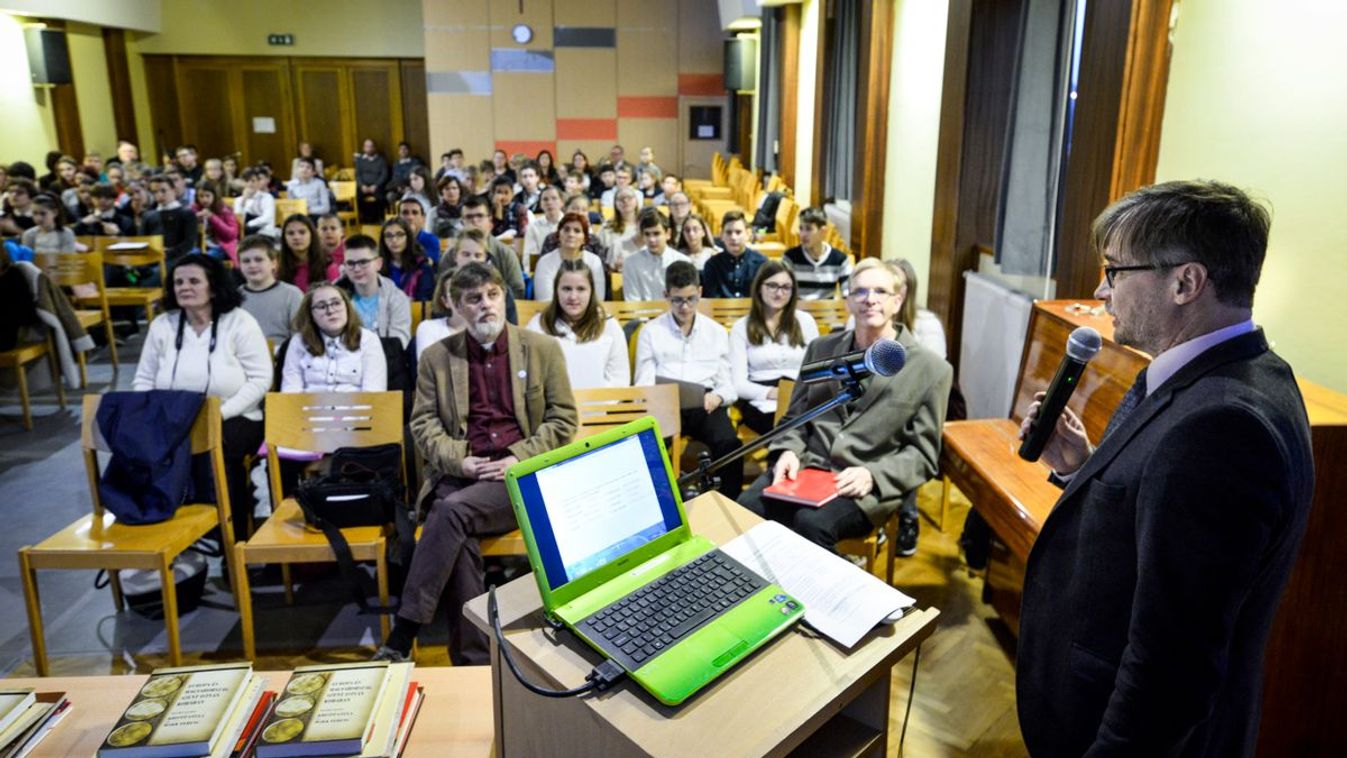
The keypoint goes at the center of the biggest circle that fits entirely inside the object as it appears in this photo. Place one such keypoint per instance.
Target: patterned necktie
(1129, 403)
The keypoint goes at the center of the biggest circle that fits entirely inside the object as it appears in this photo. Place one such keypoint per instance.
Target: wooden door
(415, 113)
(267, 125)
(208, 111)
(322, 104)
(376, 104)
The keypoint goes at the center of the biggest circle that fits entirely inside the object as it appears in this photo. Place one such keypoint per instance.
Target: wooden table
(455, 718)
(799, 693)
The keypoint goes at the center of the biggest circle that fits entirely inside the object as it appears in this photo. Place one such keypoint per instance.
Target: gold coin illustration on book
(130, 734)
(306, 684)
(293, 706)
(146, 709)
(283, 731)
(162, 686)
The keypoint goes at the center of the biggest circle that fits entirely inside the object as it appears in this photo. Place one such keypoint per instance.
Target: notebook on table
(616, 563)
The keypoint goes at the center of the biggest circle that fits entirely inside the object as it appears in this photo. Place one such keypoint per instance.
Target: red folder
(812, 487)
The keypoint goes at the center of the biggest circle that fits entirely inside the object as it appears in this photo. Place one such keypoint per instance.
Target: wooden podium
(800, 693)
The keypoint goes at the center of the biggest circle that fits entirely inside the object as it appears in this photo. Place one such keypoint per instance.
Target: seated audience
(204, 342)
(411, 211)
(419, 186)
(547, 169)
(403, 167)
(473, 246)
(255, 205)
(923, 324)
(820, 269)
(222, 226)
(509, 219)
(643, 276)
(580, 169)
(404, 260)
(620, 236)
(330, 351)
(768, 345)
(18, 207)
(233, 181)
(500, 166)
(669, 186)
(606, 182)
(648, 185)
(698, 244)
(382, 307)
(572, 233)
(76, 200)
(686, 346)
(308, 185)
(182, 189)
(272, 302)
(305, 151)
(105, 219)
(880, 447)
(446, 219)
(187, 164)
(622, 179)
(175, 223)
(50, 234)
(592, 341)
(451, 164)
(332, 237)
(371, 176)
(646, 164)
(467, 449)
(730, 272)
(531, 187)
(303, 261)
(477, 214)
(549, 202)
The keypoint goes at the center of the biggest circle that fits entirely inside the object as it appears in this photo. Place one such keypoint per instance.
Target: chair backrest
(323, 422)
(206, 439)
(421, 310)
(527, 309)
(345, 174)
(725, 310)
(343, 192)
(830, 313)
(606, 407)
(73, 270)
(634, 310)
(151, 254)
(784, 389)
(288, 207)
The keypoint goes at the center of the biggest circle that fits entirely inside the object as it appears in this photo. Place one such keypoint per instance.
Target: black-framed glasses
(1111, 272)
(359, 262)
(328, 305)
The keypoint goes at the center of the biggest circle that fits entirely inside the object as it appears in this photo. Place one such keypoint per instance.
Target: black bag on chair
(363, 487)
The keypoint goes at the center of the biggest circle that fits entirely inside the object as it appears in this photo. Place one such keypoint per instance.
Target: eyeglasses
(783, 289)
(1111, 272)
(359, 262)
(684, 302)
(328, 305)
(864, 293)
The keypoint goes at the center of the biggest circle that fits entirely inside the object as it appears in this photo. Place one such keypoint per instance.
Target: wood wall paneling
(161, 81)
(586, 82)
(815, 191)
(872, 108)
(462, 121)
(415, 117)
(646, 51)
(119, 83)
(324, 120)
(789, 82)
(66, 113)
(376, 100)
(209, 116)
(266, 94)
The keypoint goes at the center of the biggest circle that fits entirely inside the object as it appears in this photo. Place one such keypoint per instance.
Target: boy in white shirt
(686, 346)
(643, 273)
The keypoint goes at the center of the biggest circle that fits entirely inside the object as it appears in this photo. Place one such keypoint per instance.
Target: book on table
(185, 711)
(811, 487)
(14, 703)
(51, 707)
(346, 709)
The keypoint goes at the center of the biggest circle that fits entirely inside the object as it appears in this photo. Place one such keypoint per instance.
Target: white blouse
(238, 370)
(337, 369)
(598, 363)
(550, 263)
(622, 246)
(750, 364)
(433, 330)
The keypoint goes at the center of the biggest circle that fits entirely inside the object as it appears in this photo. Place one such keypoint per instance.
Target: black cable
(911, 693)
(601, 678)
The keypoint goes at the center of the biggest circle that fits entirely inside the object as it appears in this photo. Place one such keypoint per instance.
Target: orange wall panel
(647, 107)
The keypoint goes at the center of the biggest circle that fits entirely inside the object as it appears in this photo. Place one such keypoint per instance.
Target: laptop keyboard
(656, 616)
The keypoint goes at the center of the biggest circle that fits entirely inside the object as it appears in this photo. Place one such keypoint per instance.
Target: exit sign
(280, 39)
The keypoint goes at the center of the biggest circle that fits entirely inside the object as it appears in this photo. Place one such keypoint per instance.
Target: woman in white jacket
(592, 341)
(205, 342)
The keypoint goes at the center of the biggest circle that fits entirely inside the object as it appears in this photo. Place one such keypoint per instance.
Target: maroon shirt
(492, 426)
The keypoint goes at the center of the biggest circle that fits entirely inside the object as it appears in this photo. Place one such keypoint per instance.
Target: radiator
(995, 321)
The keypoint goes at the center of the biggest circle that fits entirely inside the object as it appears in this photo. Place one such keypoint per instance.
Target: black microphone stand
(704, 478)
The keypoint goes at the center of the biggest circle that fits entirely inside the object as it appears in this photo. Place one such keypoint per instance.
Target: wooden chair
(786, 211)
(527, 309)
(343, 193)
(18, 359)
(831, 314)
(152, 254)
(286, 208)
(98, 541)
(320, 422)
(725, 310)
(75, 270)
(601, 409)
(634, 310)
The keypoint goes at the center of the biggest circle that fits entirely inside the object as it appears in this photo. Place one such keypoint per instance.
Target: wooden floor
(965, 697)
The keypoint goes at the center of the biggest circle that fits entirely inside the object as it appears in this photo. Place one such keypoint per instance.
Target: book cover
(179, 711)
(14, 703)
(324, 710)
(388, 716)
(813, 487)
(59, 706)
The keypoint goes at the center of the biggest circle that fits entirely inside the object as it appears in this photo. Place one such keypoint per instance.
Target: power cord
(911, 693)
(603, 676)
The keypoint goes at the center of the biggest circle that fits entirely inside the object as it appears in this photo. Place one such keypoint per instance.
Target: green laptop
(617, 564)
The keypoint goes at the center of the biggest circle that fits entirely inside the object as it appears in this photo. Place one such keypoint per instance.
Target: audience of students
(308, 185)
(821, 270)
(105, 219)
(222, 226)
(592, 341)
(404, 260)
(332, 237)
(49, 233)
(543, 225)
(729, 273)
(169, 219)
(302, 260)
(371, 175)
(446, 218)
(413, 212)
(256, 205)
(620, 236)
(477, 214)
(696, 241)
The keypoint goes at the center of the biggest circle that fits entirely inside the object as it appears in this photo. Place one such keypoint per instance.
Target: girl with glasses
(331, 351)
(768, 344)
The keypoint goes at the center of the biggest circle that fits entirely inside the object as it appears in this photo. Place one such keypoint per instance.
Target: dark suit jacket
(1151, 589)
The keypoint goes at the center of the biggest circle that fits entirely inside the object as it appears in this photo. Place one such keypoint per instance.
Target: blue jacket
(149, 434)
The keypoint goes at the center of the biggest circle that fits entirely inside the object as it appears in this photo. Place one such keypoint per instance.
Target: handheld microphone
(1081, 346)
(885, 358)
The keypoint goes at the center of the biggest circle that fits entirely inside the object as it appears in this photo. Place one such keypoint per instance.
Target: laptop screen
(590, 510)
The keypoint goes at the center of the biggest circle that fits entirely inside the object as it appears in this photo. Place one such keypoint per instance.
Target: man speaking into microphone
(1152, 586)
(879, 447)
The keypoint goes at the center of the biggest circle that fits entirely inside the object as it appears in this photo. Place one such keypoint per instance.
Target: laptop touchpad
(731, 653)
